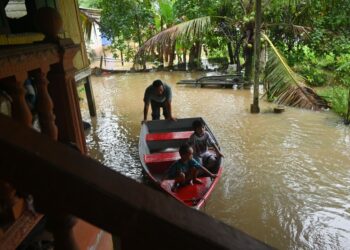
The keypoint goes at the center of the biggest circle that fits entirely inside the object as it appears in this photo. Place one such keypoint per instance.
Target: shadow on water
(286, 178)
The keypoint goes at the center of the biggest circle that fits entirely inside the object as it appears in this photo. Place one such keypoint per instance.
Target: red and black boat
(158, 149)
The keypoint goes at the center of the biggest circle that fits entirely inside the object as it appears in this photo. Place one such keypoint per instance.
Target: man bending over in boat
(159, 95)
(200, 140)
(186, 169)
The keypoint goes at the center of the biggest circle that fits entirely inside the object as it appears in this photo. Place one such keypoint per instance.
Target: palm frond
(185, 30)
(286, 85)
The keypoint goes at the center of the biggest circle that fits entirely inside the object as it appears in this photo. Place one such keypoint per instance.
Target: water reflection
(287, 176)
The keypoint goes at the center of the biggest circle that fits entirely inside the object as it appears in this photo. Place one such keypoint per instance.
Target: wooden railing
(141, 217)
(50, 67)
(58, 107)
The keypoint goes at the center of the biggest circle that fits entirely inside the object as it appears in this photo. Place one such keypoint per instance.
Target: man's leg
(155, 106)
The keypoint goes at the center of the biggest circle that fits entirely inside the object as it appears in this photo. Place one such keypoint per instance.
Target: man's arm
(145, 111)
(168, 106)
(169, 96)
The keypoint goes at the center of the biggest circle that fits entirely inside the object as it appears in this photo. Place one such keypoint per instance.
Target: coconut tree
(254, 108)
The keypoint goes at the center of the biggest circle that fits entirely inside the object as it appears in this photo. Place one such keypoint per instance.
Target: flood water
(286, 178)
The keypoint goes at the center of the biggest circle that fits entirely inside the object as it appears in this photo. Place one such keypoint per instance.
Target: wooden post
(101, 60)
(90, 97)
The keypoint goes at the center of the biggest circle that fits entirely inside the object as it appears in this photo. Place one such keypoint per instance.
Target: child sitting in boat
(200, 140)
(186, 169)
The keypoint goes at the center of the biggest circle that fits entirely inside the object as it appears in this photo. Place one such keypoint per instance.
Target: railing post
(64, 94)
(45, 104)
(15, 88)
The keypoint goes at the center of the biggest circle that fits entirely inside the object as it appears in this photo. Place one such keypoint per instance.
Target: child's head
(198, 127)
(186, 152)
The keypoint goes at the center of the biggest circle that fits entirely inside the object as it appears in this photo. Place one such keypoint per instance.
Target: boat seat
(182, 135)
(160, 162)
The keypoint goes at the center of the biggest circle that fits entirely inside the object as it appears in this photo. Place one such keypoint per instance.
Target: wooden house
(47, 183)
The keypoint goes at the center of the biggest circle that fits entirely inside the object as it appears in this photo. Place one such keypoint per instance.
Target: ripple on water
(286, 178)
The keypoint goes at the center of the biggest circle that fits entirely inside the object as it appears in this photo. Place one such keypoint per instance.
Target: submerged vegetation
(307, 40)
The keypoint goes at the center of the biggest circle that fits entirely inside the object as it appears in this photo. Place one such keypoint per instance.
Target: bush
(337, 97)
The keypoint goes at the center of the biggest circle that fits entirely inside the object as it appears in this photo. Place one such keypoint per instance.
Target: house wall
(72, 28)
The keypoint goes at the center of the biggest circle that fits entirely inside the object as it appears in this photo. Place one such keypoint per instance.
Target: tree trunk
(254, 108)
(347, 119)
(230, 53)
(172, 54)
(122, 57)
(192, 57)
(139, 39)
(237, 52)
(184, 59)
(195, 54)
(160, 56)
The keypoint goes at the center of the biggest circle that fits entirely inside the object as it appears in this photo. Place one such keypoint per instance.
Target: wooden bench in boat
(159, 162)
(182, 135)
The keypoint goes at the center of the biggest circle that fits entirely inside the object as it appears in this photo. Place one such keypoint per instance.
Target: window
(16, 9)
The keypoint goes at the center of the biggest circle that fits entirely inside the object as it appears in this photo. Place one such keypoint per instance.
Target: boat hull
(158, 150)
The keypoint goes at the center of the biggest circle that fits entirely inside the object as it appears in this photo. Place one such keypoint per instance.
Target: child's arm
(217, 150)
(208, 172)
(211, 142)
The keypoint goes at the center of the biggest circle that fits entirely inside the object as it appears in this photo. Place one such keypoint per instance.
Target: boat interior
(162, 141)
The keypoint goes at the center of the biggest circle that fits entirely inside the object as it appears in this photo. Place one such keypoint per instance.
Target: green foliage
(190, 9)
(342, 73)
(337, 97)
(126, 19)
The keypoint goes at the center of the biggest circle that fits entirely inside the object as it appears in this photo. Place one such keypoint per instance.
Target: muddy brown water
(286, 178)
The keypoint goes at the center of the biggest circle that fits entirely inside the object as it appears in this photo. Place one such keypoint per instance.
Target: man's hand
(143, 121)
(171, 118)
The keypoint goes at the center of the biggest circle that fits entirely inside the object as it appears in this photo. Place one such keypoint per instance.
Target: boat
(158, 149)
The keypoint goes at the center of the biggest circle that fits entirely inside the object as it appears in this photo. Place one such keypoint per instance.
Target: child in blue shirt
(186, 168)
